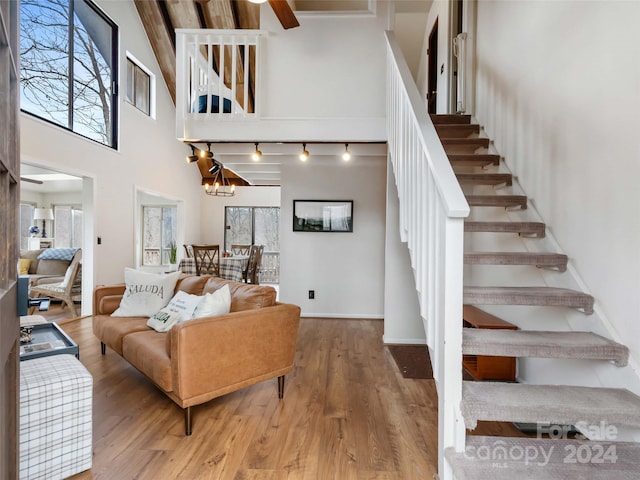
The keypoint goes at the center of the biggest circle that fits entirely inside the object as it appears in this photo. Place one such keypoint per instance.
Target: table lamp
(43, 214)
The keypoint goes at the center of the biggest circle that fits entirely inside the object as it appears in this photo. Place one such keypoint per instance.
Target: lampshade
(43, 214)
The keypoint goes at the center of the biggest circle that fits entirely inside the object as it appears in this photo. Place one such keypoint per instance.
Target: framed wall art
(323, 215)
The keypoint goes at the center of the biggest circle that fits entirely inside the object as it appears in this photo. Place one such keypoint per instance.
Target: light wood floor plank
(347, 413)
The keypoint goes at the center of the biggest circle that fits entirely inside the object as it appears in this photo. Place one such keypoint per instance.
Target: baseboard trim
(403, 341)
(348, 316)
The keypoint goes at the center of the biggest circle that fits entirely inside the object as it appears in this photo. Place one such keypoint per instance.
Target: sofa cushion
(192, 283)
(147, 352)
(145, 293)
(244, 296)
(111, 331)
(52, 267)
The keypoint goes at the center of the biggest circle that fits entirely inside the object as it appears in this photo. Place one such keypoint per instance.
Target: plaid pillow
(58, 254)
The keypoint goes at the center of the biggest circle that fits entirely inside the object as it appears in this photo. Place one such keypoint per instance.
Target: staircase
(498, 458)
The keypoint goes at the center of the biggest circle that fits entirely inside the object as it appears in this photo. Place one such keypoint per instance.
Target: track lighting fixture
(193, 157)
(256, 155)
(346, 156)
(304, 154)
(207, 153)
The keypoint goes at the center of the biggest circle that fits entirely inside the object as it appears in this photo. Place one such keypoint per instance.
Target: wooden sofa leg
(103, 348)
(187, 421)
(281, 386)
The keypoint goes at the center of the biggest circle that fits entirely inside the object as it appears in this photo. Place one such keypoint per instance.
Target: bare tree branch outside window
(66, 71)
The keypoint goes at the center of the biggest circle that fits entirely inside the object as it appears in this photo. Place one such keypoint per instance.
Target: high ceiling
(161, 17)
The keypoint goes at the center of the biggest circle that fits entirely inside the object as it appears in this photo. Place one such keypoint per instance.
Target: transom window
(139, 86)
(68, 66)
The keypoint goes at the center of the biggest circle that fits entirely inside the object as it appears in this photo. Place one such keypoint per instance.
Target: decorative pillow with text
(163, 320)
(145, 293)
(184, 304)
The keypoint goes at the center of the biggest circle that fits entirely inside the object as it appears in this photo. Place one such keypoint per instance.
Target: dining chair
(240, 249)
(188, 250)
(207, 259)
(252, 274)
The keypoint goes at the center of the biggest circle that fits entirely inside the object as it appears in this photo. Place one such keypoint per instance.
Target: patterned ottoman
(55, 417)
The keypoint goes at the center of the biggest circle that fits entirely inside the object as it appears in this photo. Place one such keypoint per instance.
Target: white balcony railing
(202, 91)
(432, 212)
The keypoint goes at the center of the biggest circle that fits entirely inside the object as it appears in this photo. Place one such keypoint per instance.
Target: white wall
(402, 320)
(148, 157)
(558, 90)
(346, 270)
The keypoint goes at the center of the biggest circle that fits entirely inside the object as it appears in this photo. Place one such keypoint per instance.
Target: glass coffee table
(48, 339)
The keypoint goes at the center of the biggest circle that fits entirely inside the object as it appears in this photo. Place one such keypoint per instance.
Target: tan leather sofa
(204, 358)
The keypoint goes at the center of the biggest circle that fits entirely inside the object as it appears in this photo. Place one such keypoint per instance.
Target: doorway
(432, 63)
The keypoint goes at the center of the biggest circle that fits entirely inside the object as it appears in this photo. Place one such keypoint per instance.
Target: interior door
(9, 207)
(432, 63)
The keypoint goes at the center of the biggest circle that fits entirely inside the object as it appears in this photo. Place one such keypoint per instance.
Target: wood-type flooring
(347, 413)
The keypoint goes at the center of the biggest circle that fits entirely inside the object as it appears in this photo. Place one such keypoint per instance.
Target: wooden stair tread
(535, 229)
(554, 260)
(555, 404)
(439, 119)
(474, 159)
(478, 142)
(457, 130)
(485, 178)
(533, 296)
(506, 201)
(550, 462)
(542, 344)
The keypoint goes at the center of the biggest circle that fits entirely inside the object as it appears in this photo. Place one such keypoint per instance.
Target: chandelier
(220, 185)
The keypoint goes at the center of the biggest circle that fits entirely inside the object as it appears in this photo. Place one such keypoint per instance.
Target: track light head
(193, 157)
(256, 155)
(346, 156)
(215, 167)
(207, 153)
(304, 154)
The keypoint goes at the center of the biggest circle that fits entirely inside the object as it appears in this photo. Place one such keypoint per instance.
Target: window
(139, 86)
(68, 66)
(158, 234)
(259, 226)
(26, 221)
(67, 227)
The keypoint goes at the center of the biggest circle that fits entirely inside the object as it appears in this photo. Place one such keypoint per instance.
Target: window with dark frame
(138, 87)
(69, 67)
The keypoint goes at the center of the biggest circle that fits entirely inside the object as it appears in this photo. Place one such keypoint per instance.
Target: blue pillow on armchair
(58, 254)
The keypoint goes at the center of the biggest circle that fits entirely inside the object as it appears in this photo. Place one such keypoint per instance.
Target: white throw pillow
(163, 320)
(184, 304)
(145, 293)
(67, 277)
(216, 303)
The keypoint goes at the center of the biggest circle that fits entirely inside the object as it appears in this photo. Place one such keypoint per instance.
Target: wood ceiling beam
(161, 39)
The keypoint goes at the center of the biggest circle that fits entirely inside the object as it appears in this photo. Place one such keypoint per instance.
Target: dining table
(231, 268)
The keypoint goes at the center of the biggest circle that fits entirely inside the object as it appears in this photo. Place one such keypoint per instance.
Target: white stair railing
(216, 74)
(432, 212)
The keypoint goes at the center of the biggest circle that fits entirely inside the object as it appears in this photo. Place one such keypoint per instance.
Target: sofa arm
(106, 299)
(217, 355)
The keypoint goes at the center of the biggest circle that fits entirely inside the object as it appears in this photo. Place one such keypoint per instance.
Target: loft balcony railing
(216, 75)
(431, 217)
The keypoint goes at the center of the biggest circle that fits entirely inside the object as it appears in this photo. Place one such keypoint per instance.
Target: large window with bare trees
(68, 66)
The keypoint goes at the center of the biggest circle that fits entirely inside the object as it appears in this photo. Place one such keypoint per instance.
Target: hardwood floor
(347, 413)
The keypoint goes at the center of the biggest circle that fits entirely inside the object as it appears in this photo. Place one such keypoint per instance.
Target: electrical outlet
(312, 294)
